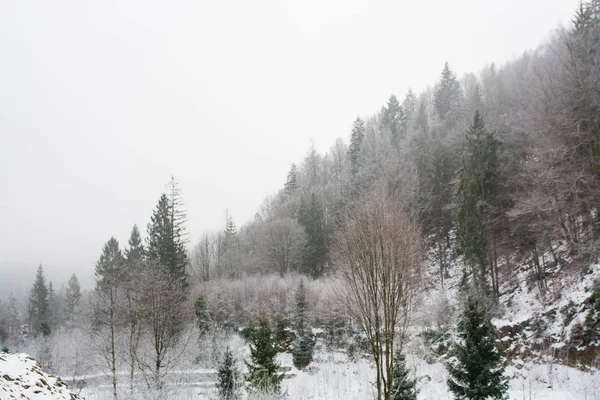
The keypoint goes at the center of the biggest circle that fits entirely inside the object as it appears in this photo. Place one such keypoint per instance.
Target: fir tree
(134, 254)
(165, 244)
(477, 373)
(302, 352)
(403, 387)
(227, 377)
(448, 93)
(393, 119)
(356, 138)
(73, 296)
(291, 182)
(314, 256)
(262, 368)
(39, 306)
(477, 198)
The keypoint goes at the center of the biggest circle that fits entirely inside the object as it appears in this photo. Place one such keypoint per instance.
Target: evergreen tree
(477, 198)
(165, 245)
(227, 377)
(302, 352)
(314, 256)
(448, 93)
(291, 183)
(39, 306)
(134, 253)
(477, 373)
(202, 315)
(262, 368)
(393, 119)
(52, 307)
(356, 138)
(409, 104)
(403, 388)
(73, 296)
(109, 273)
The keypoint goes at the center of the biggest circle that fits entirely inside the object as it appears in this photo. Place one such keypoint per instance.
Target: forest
(412, 237)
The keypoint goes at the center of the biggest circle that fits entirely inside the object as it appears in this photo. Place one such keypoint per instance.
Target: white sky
(102, 101)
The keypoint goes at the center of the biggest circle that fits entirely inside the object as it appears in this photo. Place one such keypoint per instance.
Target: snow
(21, 377)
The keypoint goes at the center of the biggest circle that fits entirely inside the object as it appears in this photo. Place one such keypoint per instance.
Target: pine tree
(477, 373)
(448, 93)
(262, 368)
(134, 253)
(73, 296)
(109, 273)
(291, 182)
(314, 256)
(356, 138)
(302, 352)
(227, 377)
(403, 388)
(165, 244)
(477, 199)
(39, 306)
(409, 104)
(393, 119)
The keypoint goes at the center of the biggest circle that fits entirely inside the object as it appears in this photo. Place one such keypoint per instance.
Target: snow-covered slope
(21, 377)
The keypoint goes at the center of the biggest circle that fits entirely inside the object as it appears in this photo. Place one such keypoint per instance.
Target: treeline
(502, 167)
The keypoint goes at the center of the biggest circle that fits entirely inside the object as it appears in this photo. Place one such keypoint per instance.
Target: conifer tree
(304, 345)
(227, 377)
(73, 296)
(109, 273)
(39, 306)
(356, 138)
(165, 244)
(394, 120)
(291, 182)
(448, 93)
(262, 368)
(310, 216)
(477, 372)
(202, 315)
(477, 198)
(403, 388)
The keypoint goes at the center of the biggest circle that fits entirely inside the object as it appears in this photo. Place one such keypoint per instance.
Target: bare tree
(377, 255)
(283, 241)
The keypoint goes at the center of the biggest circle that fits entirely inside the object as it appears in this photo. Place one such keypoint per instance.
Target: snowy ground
(334, 376)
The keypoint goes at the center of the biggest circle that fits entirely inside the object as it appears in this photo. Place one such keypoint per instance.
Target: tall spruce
(314, 256)
(448, 94)
(39, 307)
(356, 137)
(403, 387)
(262, 367)
(393, 119)
(291, 182)
(109, 274)
(477, 200)
(302, 352)
(165, 241)
(477, 371)
(73, 296)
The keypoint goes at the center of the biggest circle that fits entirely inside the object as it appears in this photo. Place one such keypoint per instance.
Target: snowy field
(334, 376)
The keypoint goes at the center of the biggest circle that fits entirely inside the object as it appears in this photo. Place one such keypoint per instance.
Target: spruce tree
(314, 255)
(403, 387)
(165, 244)
(477, 372)
(202, 315)
(448, 94)
(262, 368)
(39, 306)
(227, 377)
(477, 198)
(356, 138)
(291, 182)
(393, 119)
(73, 296)
(302, 352)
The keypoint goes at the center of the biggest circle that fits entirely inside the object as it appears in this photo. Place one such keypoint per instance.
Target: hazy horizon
(103, 102)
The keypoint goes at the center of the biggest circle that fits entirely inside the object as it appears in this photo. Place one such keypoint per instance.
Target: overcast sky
(102, 101)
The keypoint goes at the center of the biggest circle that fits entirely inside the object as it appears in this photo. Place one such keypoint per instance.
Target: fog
(101, 102)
